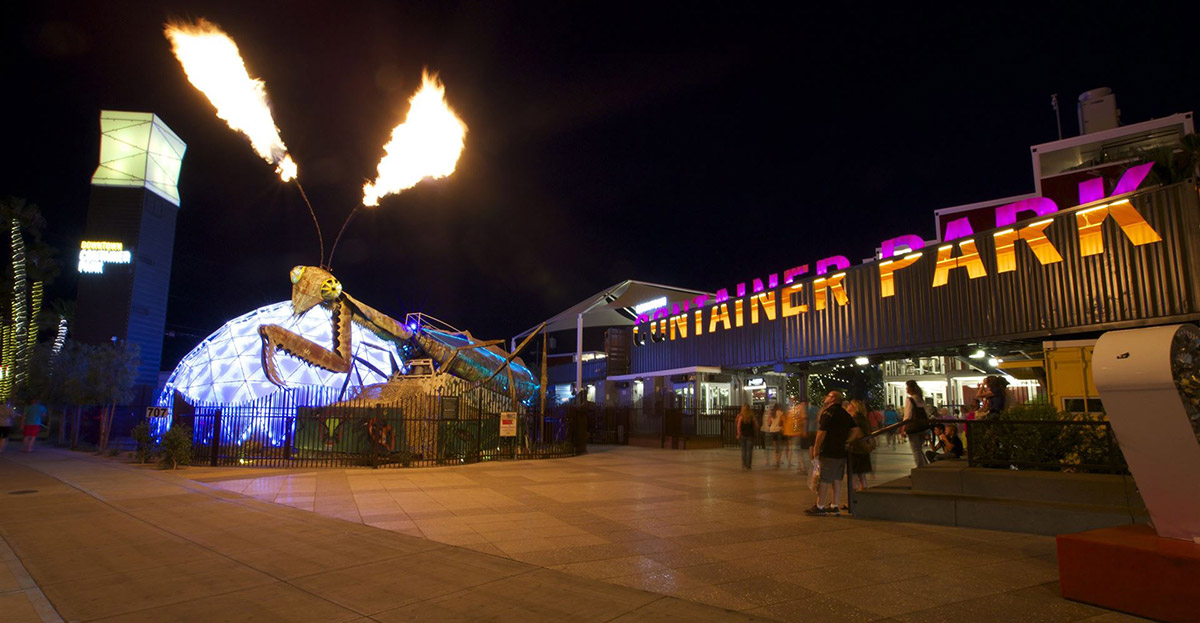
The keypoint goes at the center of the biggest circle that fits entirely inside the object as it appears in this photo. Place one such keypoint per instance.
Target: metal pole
(1057, 115)
(579, 354)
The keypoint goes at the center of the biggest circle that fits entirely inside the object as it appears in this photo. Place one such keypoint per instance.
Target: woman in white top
(916, 438)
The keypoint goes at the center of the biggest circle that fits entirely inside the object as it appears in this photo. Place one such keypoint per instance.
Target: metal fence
(417, 431)
(615, 425)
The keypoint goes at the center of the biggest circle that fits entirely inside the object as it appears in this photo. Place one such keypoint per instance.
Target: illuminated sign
(959, 254)
(757, 381)
(93, 255)
(642, 308)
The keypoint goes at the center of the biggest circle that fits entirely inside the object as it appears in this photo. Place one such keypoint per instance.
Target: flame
(214, 66)
(426, 144)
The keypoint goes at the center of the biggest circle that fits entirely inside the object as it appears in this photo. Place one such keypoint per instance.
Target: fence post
(216, 439)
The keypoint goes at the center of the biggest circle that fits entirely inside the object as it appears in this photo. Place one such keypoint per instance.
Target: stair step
(1030, 516)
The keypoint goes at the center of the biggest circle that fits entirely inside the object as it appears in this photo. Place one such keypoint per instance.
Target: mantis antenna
(320, 238)
(340, 232)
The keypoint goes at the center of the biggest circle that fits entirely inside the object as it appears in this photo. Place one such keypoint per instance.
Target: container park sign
(94, 254)
(959, 254)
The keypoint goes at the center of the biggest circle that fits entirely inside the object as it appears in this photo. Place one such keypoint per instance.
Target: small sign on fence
(508, 424)
(153, 412)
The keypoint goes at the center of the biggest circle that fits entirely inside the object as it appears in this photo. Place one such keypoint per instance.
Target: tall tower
(125, 256)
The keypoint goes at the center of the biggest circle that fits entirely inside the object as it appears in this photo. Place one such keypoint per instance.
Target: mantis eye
(331, 289)
(297, 272)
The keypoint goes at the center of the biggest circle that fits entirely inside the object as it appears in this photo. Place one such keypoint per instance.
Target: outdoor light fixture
(862, 361)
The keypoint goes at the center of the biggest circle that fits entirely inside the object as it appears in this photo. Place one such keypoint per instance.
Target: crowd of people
(822, 442)
(29, 421)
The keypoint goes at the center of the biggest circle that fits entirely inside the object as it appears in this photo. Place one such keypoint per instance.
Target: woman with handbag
(916, 422)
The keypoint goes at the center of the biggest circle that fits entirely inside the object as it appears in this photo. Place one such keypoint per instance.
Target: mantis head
(312, 286)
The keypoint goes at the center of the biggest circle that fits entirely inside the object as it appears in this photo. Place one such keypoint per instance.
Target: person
(948, 441)
(834, 431)
(891, 417)
(760, 416)
(747, 431)
(774, 426)
(794, 431)
(996, 390)
(875, 416)
(860, 450)
(32, 423)
(7, 416)
(916, 421)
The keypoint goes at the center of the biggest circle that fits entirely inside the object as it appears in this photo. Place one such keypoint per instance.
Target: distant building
(125, 255)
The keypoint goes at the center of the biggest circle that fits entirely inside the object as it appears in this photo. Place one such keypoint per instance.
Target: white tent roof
(613, 306)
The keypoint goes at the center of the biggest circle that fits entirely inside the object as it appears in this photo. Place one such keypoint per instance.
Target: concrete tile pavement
(90, 539)
(628, 532)
(692, 525)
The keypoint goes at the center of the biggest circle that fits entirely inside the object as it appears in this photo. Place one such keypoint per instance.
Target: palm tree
(17, 338)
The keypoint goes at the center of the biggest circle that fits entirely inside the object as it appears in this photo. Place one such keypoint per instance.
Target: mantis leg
(339, 359)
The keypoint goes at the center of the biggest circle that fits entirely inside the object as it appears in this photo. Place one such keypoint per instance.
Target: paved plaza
(621, 533)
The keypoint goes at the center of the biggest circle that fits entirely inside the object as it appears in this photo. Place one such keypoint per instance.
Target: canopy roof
(614, 306)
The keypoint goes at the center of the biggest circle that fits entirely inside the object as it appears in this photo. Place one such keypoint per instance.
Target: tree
(111, 372)
(1176, 163)
(32, 266)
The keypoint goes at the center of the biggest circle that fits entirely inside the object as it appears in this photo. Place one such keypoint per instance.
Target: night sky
(661, 142)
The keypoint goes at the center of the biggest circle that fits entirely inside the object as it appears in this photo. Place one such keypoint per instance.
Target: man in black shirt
(835, 431)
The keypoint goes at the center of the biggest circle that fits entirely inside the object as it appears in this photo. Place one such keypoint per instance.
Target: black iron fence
(615, 425)
(417, 431)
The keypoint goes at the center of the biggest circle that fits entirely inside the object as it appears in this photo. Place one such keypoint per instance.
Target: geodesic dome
(226, 368)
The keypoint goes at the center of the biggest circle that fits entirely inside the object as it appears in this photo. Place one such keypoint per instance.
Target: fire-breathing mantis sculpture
(457, 353)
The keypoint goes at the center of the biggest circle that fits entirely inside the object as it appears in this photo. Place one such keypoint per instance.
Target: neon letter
(765, 300)
(887, 270)
(968, 260)
(1091, 240)
(1034, 235)
(836, 262)
(789, 309)
(959, 228)
(1093, 189)
(1007, 214)
(719, 313)
(892, 247)
(679, 323)
(790, 274)
(834, 284)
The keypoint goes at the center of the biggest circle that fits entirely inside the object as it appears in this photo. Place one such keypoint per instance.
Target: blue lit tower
(125, 256)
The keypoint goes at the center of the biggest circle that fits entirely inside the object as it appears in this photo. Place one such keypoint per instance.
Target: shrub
(176, 447)
(146, 448)
(1046, 446)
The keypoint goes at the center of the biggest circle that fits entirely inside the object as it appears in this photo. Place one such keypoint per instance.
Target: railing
(618, 424)
(418, 431)
(1054, 445)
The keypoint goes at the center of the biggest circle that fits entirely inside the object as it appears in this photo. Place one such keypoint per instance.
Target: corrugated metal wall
(1124, 286)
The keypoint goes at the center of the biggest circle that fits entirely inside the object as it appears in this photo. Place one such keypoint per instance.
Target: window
(1083, 405)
